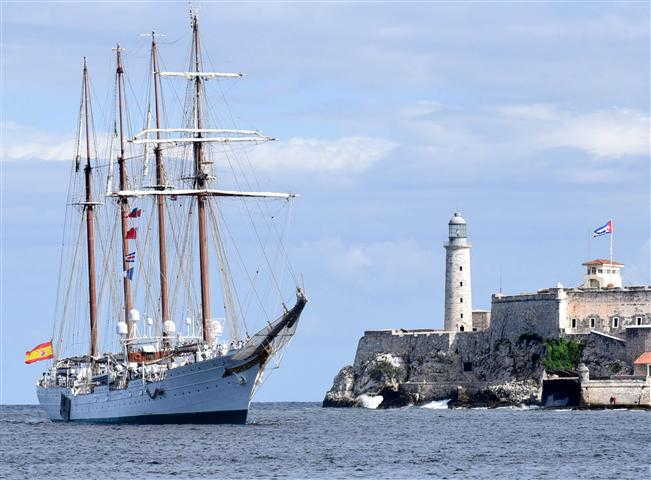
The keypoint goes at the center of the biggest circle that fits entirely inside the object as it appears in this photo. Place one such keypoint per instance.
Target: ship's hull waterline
(195, 393)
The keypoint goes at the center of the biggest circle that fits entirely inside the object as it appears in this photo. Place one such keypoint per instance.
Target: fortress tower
(603, 273)
(458, 298)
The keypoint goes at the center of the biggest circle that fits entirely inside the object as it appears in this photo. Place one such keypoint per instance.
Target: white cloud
(21, 142)
(348, 154)
(526, 141)
(609, 133)
(604, 133)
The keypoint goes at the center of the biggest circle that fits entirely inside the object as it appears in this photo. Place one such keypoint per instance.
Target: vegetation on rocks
(562, 354)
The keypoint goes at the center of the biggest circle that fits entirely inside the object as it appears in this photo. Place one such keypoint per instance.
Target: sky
(531, 119)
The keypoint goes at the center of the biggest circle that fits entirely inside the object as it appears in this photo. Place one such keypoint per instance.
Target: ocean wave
(437, 404)
(370, 401)
(522, 406)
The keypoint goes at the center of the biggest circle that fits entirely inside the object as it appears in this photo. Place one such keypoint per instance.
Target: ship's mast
(90, 223)
(201, 188)
(160, 185)
(200, 183)
(123, 201)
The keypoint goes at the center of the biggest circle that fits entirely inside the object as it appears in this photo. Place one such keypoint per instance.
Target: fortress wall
(603, 355)
(430, 364)
(443, 368)
(598, 393)
(402, 343)
(481, 320)
(514, 318)
(627, 304)
(515, 315)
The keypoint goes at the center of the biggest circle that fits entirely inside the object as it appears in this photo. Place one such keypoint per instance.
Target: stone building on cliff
(497, 357)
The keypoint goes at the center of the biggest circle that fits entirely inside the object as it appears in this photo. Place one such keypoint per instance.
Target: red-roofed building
(602, 261)
(642, 364)
(603, 273)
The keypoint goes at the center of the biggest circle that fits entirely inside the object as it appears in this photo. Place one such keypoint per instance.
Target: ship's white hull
(195, 393)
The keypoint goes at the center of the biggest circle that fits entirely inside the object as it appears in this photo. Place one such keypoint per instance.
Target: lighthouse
(458, 297)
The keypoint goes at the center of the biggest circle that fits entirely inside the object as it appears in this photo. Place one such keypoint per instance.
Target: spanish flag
(40, 352)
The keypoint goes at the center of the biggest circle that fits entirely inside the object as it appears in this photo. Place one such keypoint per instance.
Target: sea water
(303, 440)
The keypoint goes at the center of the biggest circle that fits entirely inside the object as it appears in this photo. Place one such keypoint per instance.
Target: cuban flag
(604, 229)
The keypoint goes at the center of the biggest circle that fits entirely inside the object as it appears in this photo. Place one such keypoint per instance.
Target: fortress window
(467, 366)
(461, 300)
(601, 271)
(461, 328)
(615, 322)
(461, 268)
(462, 315)
(574, 323)
(592, 322)
(461, 284)
(638, 320)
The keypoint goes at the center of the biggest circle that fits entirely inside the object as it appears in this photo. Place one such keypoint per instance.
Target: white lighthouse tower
(458, 298)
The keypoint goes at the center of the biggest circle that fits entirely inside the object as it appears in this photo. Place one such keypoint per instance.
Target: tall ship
(158, 220)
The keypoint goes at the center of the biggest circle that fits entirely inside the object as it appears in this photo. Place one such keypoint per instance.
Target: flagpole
(612, 234)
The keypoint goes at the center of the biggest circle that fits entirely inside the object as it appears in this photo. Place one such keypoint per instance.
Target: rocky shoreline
(369, 388)
(479, 369)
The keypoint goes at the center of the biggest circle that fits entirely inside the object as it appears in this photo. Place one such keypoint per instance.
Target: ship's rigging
(202, 216)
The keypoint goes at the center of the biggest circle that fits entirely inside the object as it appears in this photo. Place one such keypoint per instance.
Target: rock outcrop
(381, 376)
(342, 392)
(399, 368)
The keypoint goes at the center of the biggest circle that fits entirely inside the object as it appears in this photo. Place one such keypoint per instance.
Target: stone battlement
(401, 332)
(571, 290)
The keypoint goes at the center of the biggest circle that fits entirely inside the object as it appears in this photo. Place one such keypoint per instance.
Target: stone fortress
(497, 357)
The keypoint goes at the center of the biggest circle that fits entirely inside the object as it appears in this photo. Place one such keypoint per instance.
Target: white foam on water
(522, 406)
(370, 401)
(437, 404)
